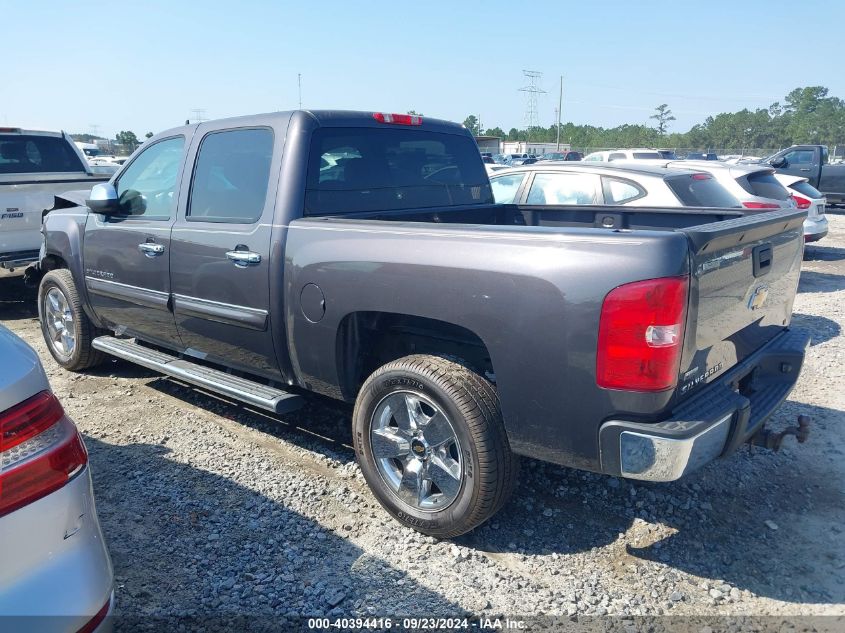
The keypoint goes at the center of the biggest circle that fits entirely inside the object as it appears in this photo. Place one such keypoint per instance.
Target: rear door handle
(242, 259)
(151, 249)
(805, 169)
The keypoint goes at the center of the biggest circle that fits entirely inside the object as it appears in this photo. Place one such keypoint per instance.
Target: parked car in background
(811, 162)
(34, 167)
(606, 156)
(634, 185)
(810, 199)
(701, 156)
(520, 159)
(53, 560)
(492, 169)
(754, 185)
(568, 155)
(668, 154)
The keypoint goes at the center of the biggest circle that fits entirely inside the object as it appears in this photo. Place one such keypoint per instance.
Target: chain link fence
(681, 152)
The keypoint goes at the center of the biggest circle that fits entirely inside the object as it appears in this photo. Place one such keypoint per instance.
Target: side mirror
(778, 162)
(103, 199)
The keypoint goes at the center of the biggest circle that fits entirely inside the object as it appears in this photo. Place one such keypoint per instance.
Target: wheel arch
(366, 340)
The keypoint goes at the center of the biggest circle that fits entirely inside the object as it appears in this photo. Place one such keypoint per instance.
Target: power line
(199, 115)
(531, 90)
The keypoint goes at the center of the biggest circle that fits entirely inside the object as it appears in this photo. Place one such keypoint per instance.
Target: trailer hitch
(771, 440)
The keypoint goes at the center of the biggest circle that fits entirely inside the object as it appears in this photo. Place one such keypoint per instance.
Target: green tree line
(807, 115)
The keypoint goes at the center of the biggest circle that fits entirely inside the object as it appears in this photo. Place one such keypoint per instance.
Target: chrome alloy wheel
(416, 451)
(59, 319)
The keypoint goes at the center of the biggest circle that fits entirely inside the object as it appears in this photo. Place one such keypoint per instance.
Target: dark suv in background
(567, 155)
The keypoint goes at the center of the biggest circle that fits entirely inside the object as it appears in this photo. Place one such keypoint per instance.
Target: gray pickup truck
(812, 162)
(361, 256)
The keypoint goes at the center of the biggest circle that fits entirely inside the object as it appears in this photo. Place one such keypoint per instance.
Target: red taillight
(641, 335)
(802, 203)
(397, 119)
(702, 177)
(40, 450)
(94, 622)
(760, 205)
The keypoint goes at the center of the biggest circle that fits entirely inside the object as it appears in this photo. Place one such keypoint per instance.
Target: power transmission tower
(531, 91)
(95, 129)
(199, 115)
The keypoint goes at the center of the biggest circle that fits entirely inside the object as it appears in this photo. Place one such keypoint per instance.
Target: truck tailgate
(744, 276)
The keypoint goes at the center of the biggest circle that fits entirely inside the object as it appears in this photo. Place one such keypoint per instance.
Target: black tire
(83, 355)
(489, 468)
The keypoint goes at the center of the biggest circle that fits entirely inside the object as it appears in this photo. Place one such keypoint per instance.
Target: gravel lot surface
(212, 508)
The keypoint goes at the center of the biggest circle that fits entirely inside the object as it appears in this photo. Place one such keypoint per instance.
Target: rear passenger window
(564, 188)
(231, 176)
(621, 191)
(617, 156)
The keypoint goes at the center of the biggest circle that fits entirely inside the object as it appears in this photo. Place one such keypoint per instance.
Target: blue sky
(144, 66)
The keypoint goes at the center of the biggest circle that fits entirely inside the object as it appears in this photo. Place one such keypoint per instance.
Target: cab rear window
(35, 154)
(701, 190)
(364, 169)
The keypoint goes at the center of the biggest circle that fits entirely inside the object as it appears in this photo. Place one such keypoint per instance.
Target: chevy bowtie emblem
(758, 297)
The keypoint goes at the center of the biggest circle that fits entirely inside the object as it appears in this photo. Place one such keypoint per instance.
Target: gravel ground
(212, 508)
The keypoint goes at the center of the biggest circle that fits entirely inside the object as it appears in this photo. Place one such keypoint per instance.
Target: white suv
(609, 155)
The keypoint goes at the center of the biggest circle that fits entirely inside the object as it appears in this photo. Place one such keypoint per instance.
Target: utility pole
(559, 108)
(199, 115)
(299, 85)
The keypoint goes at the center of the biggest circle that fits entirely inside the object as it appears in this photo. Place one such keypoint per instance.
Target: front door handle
(805, 169)
(151, 249)
(242, 259)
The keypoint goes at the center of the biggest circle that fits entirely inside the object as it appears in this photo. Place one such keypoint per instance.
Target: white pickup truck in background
(34, 167)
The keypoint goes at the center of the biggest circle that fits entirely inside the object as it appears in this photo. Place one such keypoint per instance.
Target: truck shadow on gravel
(186, 541)
(17, 301)
(812, 281)
(822, 328)
(823, 253)
(711, 524)
(322, 424)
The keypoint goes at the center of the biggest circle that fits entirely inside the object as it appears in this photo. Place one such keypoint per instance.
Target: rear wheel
(431, 444)
(67, 330)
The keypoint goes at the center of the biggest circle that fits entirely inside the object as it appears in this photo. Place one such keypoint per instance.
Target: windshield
(34, 154)
(386, 169)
